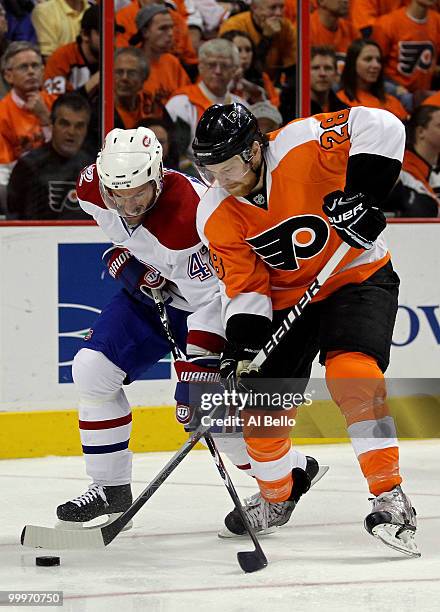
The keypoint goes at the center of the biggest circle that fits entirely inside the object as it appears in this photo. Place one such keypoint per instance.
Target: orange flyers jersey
(166, 76)
(20, 130)
(66, 69)
(410, 48)
(364, 98)
(416, 173)
(130, 119)
(268, 251)
(339, 40)
(365, 12)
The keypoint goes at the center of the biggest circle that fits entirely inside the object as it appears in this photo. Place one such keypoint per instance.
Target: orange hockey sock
(357, 385)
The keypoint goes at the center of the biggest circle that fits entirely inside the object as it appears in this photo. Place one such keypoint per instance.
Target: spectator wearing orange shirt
(330, 27)
(365, 12)
(272, 34)
(75, 66)
(409, 38)
(433, 100)
(182, 45)
(25, 110)
(131, 70)
(166, 73)
(362, 80)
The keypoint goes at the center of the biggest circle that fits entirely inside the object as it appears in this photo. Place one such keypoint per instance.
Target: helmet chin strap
(259, 176)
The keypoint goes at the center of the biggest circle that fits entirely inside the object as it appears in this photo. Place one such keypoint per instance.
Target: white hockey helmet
(129, 158)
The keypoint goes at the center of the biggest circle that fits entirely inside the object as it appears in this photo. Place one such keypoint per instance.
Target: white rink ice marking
(173, 561)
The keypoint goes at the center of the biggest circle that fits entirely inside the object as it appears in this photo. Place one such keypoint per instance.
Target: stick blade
(62, 539)
(251, 561)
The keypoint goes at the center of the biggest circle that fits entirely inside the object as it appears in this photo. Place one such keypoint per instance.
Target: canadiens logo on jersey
(299, 237)
(87, 174)
(415, 55)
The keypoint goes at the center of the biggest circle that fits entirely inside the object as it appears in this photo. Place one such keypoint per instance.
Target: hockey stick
(250, 561)
(160, 305)
(99, 537)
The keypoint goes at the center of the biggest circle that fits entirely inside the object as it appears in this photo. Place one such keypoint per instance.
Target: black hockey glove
(355, 218)
(235, 365)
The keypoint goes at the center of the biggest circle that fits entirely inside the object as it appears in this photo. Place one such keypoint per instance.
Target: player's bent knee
(94, 374)
(357, 385)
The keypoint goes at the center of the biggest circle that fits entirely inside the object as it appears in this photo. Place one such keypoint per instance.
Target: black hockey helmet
(224, 131)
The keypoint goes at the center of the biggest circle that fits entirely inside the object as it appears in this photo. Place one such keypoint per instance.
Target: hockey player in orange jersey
(276, 212)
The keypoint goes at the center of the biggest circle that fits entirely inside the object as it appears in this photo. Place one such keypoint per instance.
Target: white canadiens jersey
(167, 239)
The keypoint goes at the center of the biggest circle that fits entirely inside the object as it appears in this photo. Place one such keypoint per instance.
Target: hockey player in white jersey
(149, 214)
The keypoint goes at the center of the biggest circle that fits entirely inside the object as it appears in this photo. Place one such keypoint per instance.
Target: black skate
(393, 521)
(110, 501)
(266, 517)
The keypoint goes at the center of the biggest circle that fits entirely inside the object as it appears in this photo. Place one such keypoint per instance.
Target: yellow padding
(37, 434)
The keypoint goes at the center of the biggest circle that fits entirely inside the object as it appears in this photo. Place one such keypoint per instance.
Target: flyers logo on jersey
(232, 117)
(415, 55)
(300, 237)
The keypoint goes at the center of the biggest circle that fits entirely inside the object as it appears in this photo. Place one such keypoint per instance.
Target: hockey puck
(47, 561)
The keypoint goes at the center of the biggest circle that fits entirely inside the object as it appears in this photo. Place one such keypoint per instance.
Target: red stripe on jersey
(173, 218)
(246, 466)
(87, 186)
(207, 340)
(108, 424)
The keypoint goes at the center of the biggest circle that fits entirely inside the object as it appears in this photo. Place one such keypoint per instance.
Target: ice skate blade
(402, 542)
(225, 534)
(77, 526)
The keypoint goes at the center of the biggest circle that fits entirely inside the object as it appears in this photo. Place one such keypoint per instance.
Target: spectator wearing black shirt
(42, 183)
(323, 77)
(416, 193)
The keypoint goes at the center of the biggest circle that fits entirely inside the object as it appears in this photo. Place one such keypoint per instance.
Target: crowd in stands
(175, 58)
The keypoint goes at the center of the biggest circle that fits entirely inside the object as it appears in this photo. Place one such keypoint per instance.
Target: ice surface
(173, 561)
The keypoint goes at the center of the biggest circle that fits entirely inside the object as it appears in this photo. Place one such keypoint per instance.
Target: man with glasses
(131, 69)
(25, 110)
(219, 60)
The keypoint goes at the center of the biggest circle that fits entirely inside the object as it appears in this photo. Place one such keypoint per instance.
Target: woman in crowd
(251, 83)
(362, 82)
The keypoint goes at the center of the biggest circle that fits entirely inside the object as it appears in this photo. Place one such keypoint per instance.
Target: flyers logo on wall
(84, 288)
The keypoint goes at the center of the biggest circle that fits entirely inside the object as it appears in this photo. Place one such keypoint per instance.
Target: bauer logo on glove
(355, 218)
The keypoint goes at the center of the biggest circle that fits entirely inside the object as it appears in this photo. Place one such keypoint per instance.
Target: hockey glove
(137, 278)
(197, 376)
(355, 218)
(235, 365)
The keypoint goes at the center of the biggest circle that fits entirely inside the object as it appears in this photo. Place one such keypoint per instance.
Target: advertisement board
(53, 286)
